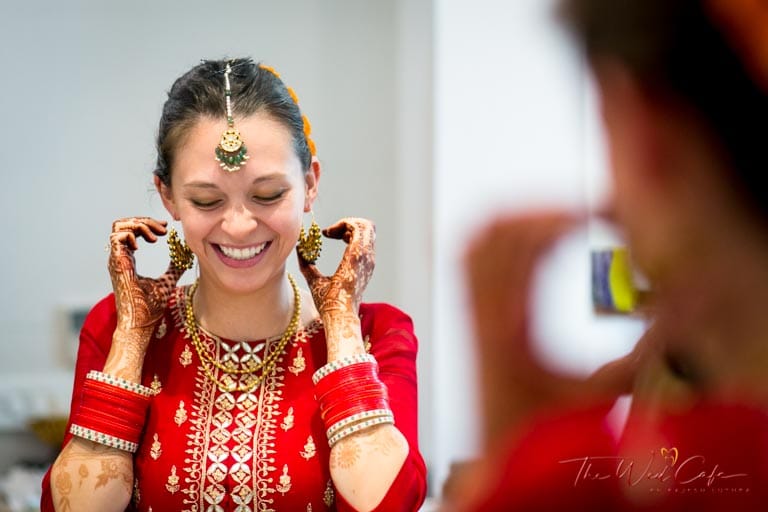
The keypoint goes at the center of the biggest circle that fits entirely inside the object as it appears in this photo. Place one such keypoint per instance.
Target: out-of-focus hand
(140, 300)
(342, 292)
(500, 265)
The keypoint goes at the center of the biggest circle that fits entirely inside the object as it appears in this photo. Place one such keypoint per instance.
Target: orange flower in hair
(270, 69)
(745, 26)
(307, 126)
(292, 93)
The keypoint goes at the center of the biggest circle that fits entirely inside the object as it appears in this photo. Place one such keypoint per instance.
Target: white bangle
(360, 426)
(375, 413)
(106, 440)
(120, 383)
(338, 364)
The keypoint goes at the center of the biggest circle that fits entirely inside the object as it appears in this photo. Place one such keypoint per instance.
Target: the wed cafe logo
(665, 470)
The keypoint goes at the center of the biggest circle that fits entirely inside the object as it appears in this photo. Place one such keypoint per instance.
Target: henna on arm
(104, 474)
(381, 449)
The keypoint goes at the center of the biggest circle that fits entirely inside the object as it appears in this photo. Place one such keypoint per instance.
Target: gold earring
(181, 255)
(310, 244)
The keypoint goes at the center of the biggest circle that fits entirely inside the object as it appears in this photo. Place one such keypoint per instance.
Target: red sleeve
(394, 345)
(95, 340)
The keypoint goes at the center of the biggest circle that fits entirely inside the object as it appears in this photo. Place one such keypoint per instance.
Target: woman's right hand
(140, 301)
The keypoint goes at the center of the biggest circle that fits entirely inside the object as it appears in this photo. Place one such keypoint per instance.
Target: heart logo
(670, 454)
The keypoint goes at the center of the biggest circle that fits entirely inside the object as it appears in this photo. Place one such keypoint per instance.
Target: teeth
(242, 254)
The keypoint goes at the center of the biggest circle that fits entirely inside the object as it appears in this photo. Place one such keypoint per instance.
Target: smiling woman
(241, 391)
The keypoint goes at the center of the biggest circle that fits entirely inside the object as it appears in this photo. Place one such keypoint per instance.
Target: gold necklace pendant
(207, 361)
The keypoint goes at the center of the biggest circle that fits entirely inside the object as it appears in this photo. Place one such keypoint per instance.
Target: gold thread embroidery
(299, 364)
(287, 423)
(367, 343)
(185, 359)
(157, 387)
(328, 495)
(309, 448)
(181, 414)
(173, 481)
(156, 449)
(285, 481)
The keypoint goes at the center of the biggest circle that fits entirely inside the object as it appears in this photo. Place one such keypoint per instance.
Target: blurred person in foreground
(683, 93)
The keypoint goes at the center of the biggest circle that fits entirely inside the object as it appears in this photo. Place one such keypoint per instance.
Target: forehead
(269, 144)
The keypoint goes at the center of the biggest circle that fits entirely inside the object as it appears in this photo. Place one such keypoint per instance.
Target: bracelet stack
(112, 411)
(351, 396)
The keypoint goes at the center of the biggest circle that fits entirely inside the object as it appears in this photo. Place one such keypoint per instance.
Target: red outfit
(203, 449)
(711, 457)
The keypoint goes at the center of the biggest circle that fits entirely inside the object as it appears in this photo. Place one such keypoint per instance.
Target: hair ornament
(743, 24)
(295, 98)
(231, 152)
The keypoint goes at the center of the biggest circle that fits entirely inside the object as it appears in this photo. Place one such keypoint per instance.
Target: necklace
(228, 383)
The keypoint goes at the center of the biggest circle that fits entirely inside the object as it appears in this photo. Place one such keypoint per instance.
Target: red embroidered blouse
(207, 450)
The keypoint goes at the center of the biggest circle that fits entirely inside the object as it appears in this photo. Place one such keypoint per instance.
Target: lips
(242, 253)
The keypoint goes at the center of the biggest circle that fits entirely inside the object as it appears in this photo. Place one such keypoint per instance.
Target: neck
(244, 317)
(712, 312)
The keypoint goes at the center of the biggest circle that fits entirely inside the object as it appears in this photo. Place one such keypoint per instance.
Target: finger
(310, 271)
(123, 240)
(341, 230)
(172, 275)
(145, 227)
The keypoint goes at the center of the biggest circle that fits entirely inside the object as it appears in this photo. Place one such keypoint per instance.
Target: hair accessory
(307, 127)
(743, 23)
(182, 256)
(231, 151)
(310, 244)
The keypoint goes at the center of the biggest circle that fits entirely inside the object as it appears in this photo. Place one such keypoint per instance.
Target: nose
(239, 223)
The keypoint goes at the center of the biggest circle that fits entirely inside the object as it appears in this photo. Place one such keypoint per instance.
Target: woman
(682, 84)
(200, 397)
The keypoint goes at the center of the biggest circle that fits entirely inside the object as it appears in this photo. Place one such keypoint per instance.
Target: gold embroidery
(161, 329)
(328, 495)
(287, 423)
(157, 387)
(299, 364)
(285, 481)
(181, 414)
(186, 357)
(156, 450)
(173, 481)
(367, 343)
(233, 435)
(309, 449)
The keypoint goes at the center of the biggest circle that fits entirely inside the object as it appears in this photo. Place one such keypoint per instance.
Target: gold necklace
(266, 366)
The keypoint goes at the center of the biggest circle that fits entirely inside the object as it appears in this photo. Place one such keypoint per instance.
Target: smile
(242, 254)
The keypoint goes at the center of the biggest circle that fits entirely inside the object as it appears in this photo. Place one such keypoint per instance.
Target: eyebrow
(209, 185)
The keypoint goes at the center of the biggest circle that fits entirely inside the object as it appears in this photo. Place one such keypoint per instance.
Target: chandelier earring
(310, 243)
(181, 255)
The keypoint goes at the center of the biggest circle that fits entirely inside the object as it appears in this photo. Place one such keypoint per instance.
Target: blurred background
(429, 117)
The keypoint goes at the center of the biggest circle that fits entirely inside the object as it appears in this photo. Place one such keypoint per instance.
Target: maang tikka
(231, 151)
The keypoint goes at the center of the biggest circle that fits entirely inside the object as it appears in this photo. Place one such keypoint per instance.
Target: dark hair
(675, 50)
(200, 93)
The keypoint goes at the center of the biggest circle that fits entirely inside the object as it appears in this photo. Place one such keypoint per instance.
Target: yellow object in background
(620, 282)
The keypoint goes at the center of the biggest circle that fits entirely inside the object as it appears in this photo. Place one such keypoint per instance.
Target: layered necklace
(253, 378)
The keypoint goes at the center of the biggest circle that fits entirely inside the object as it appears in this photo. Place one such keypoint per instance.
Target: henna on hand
(140, 300)
(342, 292)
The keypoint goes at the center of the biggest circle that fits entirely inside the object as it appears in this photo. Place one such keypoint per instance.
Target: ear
(167, 198)
(311, 181)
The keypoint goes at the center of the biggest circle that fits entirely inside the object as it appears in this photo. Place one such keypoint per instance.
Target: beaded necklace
(266, 366)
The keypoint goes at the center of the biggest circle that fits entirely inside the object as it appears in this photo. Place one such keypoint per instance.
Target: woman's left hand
(342, 292)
